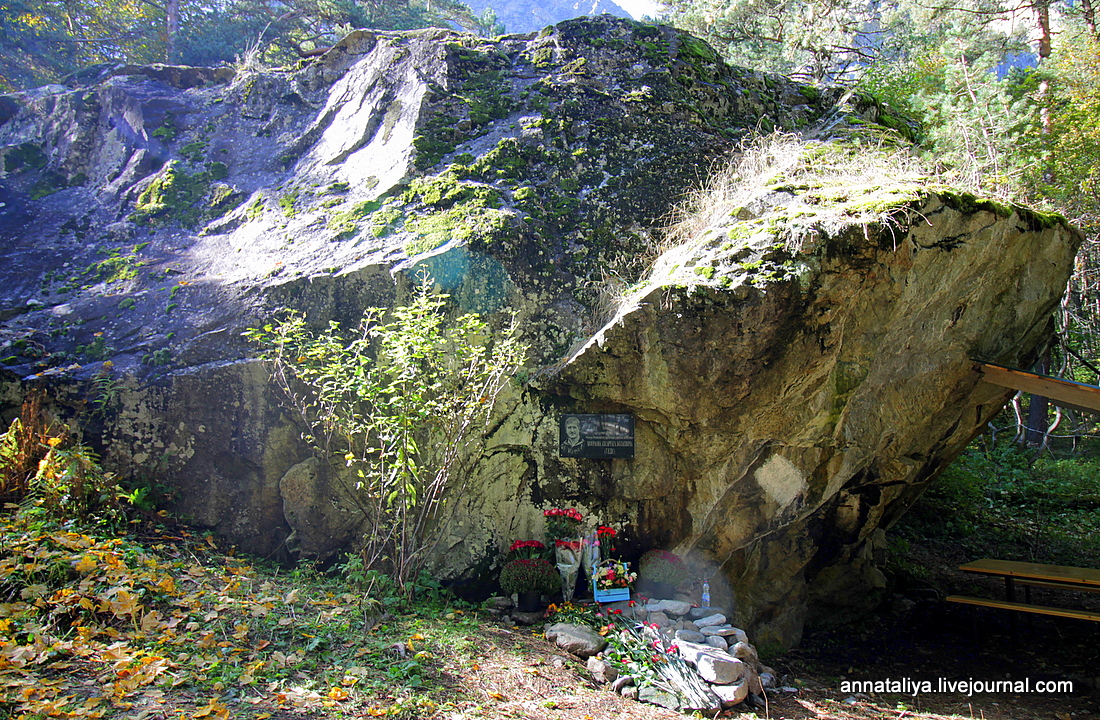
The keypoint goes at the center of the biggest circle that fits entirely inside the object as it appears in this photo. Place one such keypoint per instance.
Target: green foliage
(399, 402)
(52, 476)
(97, 349)
(174, 196)
(813, 39)
(1045, 509)
(574, 614)
(1073, 178)
(42, 40)
(116, 267)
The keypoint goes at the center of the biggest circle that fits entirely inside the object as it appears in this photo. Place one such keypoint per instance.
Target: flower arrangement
(525, 575)
(527, 549)
(613, 574)
(562, 524)
(606, 536)
(663, 567)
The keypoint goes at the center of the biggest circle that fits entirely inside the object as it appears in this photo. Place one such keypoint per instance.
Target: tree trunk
(172, 11)
(1037, 409)
(1089, 14)
(1042, 22)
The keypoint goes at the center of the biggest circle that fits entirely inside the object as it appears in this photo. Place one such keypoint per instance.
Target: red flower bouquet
(527, 549)
(563, 524)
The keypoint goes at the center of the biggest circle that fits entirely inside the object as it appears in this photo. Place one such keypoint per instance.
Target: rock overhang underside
(799, 364)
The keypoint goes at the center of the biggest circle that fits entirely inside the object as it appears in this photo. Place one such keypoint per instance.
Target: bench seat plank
(1024, 607)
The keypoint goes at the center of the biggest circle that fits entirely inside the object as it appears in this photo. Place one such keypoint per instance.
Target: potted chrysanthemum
(660, 572)
(529, 578)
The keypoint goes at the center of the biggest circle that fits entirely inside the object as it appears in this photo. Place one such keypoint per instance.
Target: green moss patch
(24, 157)
(467, 222)
(175, 196)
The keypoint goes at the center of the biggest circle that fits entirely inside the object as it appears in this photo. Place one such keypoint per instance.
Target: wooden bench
(1025, 607)
(1057, 577)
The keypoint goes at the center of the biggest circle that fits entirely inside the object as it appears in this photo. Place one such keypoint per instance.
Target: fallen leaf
(86, 565)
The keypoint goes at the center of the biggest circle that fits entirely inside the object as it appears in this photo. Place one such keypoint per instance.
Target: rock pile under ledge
(718, 654)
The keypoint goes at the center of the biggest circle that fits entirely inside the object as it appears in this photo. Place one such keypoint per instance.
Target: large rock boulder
(799, 365)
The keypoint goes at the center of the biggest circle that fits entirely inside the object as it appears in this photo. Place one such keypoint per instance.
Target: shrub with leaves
(46, 472)
(399, 402)
(522, 575)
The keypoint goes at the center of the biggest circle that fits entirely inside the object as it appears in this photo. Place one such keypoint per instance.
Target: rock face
(799, 368)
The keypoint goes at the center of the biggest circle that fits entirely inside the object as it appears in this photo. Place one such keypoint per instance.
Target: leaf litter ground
(172, 626)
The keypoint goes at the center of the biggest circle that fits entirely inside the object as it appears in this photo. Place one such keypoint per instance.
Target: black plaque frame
(596, 435)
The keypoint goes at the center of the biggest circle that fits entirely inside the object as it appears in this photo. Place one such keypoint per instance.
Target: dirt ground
(524, 677)
(917, 638)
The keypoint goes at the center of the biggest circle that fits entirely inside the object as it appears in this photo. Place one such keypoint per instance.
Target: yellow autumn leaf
(496, 696)
(337, 693)
(86, 565)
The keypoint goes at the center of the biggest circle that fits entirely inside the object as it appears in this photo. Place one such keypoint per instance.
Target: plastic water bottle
(706, 594)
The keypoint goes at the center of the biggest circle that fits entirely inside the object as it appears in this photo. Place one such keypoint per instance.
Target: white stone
(678, 608)
(582, 641)
(721, 670)
(690, 636)
(715, 619)
(701, 612)
(714, 666)
(722, 630)
(659, 619)
(746, 652)
(620, 682)
(731, 695)
(690, 651)
(602, 671)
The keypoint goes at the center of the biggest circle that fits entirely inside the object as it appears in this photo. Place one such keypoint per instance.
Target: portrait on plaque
(596, 436)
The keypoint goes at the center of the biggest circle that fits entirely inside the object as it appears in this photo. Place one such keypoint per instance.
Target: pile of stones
(719, 655)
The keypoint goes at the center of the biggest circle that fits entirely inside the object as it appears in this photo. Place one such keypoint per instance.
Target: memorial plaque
(596, 436)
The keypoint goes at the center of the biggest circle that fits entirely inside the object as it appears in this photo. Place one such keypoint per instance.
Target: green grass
(1001, 501)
